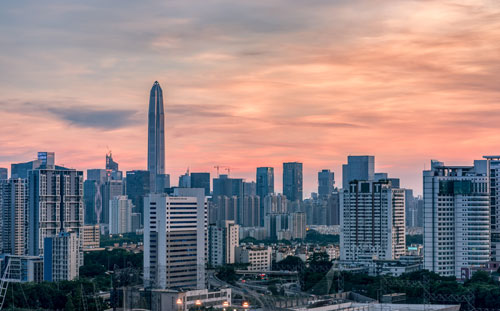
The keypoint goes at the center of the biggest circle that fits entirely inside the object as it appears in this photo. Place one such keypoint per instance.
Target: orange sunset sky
(252, 83)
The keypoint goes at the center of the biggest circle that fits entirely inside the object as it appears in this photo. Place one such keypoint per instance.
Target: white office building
(456, 218)
(120, 215)
(373, 218)
(175, 239)
(223, 237)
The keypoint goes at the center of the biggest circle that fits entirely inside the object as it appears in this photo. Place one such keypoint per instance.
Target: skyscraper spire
(156, 138)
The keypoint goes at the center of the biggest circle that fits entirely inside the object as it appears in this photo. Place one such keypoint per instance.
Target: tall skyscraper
(373, 221)
(358, 168)
(156, 138)
(326, 180)
(14, 216)
(92, 195)
(292, 181)
(55, 205)
(201, 180)
(175, 240)
(456, 218)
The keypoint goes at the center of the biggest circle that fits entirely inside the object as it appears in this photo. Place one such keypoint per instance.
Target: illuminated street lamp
(198, 302)
(179, 304)
(245, 304)
(225, 304)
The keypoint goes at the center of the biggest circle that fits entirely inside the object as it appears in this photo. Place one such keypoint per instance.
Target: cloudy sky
(252, 83)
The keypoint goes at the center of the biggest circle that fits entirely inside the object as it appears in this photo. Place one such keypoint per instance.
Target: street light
(179, 303)
(198, 304)
(245, 304)
(225, 304)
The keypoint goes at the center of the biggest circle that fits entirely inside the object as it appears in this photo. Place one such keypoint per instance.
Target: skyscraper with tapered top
(156, 139)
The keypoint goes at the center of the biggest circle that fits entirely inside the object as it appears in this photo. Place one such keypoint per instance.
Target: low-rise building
(259, 257)
(171, 300)
(22, 268)
(91, 237)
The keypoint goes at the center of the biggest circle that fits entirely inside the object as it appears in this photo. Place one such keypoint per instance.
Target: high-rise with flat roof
(493, 165)
(4, 173)
(456, 218)
(292, 181)
(358, 168)
(175, 240)
(201, 180)
(62, 257)
(55, 205)
(120, 215)
(265, 186)
(223, 237)
(326, 180)
(373, 221)
(14, 216)
(138, 186)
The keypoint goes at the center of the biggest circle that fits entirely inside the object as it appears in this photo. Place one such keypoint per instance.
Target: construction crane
(226, 168)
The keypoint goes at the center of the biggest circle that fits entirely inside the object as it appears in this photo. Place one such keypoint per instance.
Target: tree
(290, 263)
(69, 305)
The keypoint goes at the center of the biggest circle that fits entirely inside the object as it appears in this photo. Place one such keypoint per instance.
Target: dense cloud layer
(249, 83)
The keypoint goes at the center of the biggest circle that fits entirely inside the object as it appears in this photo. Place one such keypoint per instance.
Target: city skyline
(404, 81)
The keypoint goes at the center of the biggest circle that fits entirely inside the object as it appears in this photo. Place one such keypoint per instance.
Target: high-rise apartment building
(292, 181)
(456, 218)
(120, 215)
(62, 257)
(14, 216)
(201, 180)
(223, 237)
(250, 188)
(249, 215)
(493, 165)
(55, 205)
(175, 240)
(275, 204)
(326, 181)
(373, 221)
(156, 138)
(297, 225)
(358, 168)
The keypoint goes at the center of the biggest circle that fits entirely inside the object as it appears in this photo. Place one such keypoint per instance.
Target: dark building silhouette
(201, 180)
(156, 139)
(326, 180)
(292, 181)
(138, 186)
